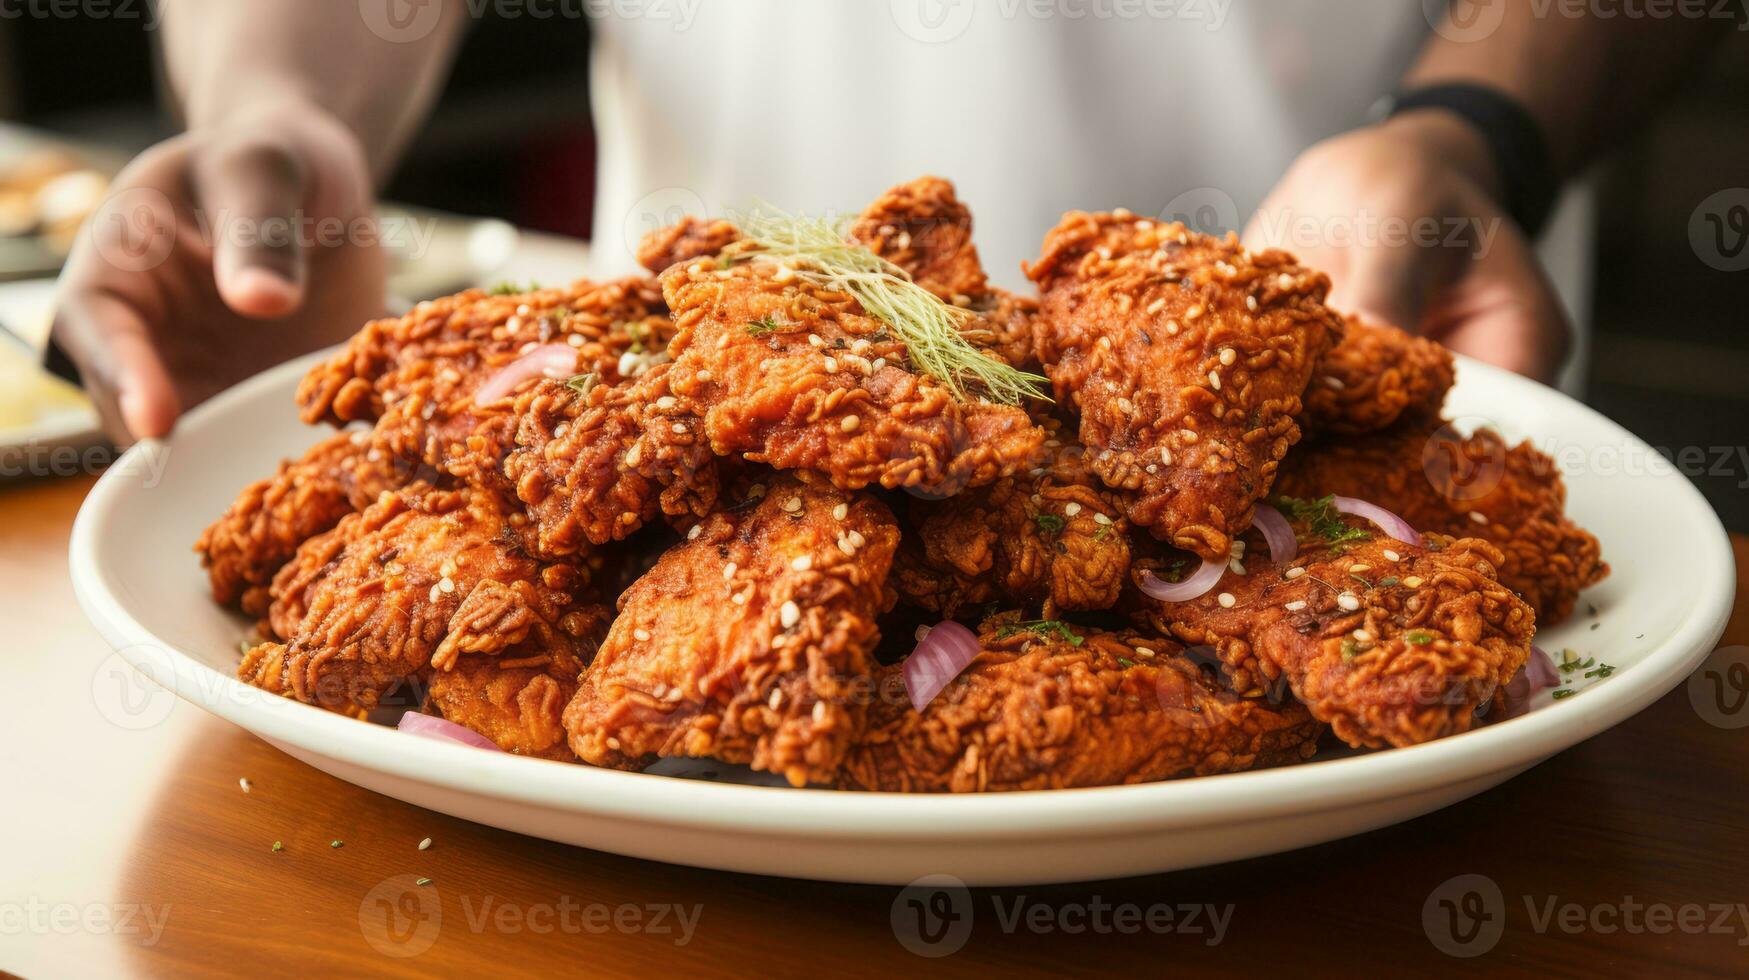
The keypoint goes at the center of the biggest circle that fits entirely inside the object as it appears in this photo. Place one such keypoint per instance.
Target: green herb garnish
(278, 846)
(508, 288)
(760, 328)
(1044, 627)
(1565, 692)
(1322, 520)
(1049, 523)
(583, 384)
(1419, 638)
(1349, 649)
(930, 327)
(1127, 662)
(1602, 671)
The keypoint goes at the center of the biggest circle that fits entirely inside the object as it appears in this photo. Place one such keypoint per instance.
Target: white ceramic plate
(1658, 616)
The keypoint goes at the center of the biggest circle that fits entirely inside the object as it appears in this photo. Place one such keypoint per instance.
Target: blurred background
(512, 140)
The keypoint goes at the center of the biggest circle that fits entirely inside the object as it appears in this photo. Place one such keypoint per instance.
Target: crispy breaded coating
(506, 671)
(1439, 480)
(1054, 537)
(749, 641)
(797, 376)
(263, 528)
(1039, 711)
(417, 377)
(390, 591)
(1186, 356)
(922, 227)
(1375, 376)
(1385, 650)
(687, 239)
(595, 465)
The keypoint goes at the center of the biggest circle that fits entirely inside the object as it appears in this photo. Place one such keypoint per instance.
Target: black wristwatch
(1528, 181)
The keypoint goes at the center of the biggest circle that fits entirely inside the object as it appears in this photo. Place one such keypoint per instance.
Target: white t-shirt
(1173, 108)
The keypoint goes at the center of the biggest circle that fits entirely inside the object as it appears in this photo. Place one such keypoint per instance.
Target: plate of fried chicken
(814, 553)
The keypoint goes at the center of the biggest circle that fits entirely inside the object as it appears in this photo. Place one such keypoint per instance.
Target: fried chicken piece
(1388, 643)
(1186, 356)
(1044, 711)
(799, 377)
(419, 377)
(422, 577)
(595, 465)
(747, 642)
(1055, 536)
(922, 227)
(689, 238)
(1440, 481)
(507, 672)
(1375, 376)
(263, 528)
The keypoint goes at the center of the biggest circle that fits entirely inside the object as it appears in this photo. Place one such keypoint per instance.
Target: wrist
(1439, 134)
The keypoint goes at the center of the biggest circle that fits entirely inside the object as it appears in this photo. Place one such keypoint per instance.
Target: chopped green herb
(1349, 649)
(1565, 692)
(1602, 671)
(770, 324)
(336, 844)
(1049, 523)
(508, 288)
(1388, 581)
(1127, 662)
(1419, 638)
(1043, 627)
(278, 846)
(1322, 520)
(1105, 531)
(583, 384)
(1357, 578)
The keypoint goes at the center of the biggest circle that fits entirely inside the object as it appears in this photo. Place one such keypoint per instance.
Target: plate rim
(582, 790)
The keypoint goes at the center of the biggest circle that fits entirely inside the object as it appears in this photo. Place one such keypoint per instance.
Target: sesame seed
(1215, 380)
(1333, 382)
(1284, 280)
(815, 341)
(831, 363)
(1071, 509)
(575, 340)
(1363, 636)
(425, 845)
(1294, 572)
(1144, 652)
(446, 583)
(1151, 468)
(434, 593)
(1156, 306)
(776, 698)
(840, 512)
(1226, 600)
(1166, 455)
(1251, 303)
(633, 455)
(641, 635)
(879, 362)
(1413, 581)
(1348, 601)
(850, 423)
(860, 345)
(739, 598)
(1101, 519)
(789, 615)
(679, 428)
(845, 546)
(819, 712)
(792, 505)
(1478, 517)
(1172, 327)
(665, 402)
(1126, 406)
(1295, 606)
(694, 532)
(244, 783)
(802, 563)
(1392, 555)
(1228, 355)
(1193, 312)
(1357, 568)
(856, 539)
(729, 571)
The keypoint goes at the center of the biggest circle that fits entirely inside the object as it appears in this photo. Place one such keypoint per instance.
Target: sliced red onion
(1388, 522)
(1540, 668)
(430, 726)
(1197, 584)
(943, 653)
(1283, 545)
(545, 361)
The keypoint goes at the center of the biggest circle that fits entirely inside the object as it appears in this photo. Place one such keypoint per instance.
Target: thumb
(107, 337)
(253, 194)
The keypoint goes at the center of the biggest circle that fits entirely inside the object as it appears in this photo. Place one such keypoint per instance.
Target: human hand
(1403, 218)
(218, 254)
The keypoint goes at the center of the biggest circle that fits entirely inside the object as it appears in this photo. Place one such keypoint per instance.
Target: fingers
(1504, 311)
(252, 193)
(107, 336)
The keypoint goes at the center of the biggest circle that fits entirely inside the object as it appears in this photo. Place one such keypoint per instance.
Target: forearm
(226, 60)
(1588, 80)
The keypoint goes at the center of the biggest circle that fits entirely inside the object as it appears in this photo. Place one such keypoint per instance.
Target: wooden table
(136, 851)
